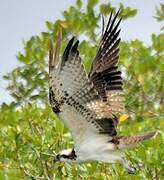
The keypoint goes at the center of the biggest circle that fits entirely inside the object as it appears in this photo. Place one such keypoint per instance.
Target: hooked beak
(57, 158)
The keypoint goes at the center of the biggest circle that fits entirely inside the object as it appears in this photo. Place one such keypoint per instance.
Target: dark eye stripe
(65, 156)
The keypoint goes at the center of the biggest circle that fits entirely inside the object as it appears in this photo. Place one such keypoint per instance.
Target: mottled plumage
(90, 105)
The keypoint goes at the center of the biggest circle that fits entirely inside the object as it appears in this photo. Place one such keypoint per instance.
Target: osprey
(90, 105)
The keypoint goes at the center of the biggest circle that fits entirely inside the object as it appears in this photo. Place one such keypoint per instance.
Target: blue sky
(20, 19)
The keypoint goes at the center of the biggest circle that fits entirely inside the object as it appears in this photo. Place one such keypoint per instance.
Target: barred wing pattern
(104, 72)
(76, 98)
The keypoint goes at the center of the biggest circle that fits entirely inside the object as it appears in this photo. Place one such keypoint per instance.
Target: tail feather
(126, 141)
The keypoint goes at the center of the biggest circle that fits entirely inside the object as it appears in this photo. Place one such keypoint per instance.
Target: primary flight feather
(90, 104)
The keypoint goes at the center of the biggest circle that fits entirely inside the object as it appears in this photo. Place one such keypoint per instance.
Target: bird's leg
(130, 169)
(115, 157)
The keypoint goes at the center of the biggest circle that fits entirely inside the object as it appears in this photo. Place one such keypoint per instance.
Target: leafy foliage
(160, 14)
(30, 132)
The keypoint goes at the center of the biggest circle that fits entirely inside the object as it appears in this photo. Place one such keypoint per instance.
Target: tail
(126, 141)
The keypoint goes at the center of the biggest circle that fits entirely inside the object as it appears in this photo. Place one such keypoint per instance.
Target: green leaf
(127, 12)
(50, 25)
(106, 8)
(160, 12)
(79, 3)
(92, 3)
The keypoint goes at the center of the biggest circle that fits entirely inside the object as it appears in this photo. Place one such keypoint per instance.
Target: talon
(131, 170)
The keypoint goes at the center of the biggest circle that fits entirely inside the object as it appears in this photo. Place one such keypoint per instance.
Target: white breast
(80, 128)
(94, 148)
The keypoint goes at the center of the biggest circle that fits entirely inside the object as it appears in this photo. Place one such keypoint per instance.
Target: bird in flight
(90, 104)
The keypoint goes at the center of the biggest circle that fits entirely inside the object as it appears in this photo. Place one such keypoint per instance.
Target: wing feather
(71, 93)
(104, 72)
(88, 105)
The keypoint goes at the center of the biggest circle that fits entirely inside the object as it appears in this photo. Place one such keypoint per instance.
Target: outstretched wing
(104, 71)
(72, 94)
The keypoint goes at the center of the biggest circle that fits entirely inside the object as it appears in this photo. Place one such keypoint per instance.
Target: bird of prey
(90, 104)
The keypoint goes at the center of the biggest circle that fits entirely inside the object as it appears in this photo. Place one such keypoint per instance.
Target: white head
(65, 155)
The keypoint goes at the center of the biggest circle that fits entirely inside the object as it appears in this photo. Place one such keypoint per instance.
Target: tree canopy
(30, 131)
